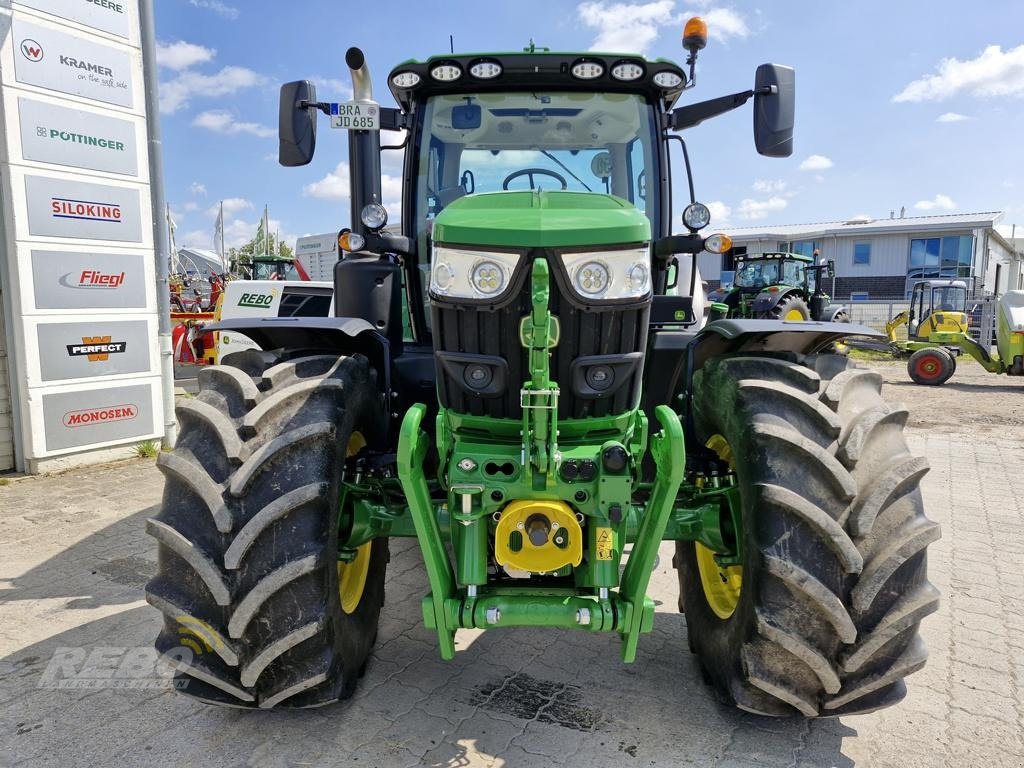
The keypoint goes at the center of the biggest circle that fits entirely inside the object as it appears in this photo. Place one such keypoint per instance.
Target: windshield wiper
(565, 168)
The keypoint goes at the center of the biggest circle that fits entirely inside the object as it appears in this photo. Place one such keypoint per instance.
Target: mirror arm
(323, 106)
(695, 114)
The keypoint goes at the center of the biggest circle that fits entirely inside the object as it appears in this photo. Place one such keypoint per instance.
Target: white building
(883, 258)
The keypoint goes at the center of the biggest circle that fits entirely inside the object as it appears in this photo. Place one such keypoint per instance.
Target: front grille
(612, 330)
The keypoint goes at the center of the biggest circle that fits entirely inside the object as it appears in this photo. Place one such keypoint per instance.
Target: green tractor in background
(554, 414)
(783, 286)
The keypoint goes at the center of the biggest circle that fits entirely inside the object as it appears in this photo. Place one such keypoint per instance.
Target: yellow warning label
(605, 541)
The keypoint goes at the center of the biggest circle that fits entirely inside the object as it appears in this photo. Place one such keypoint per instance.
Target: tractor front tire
(791, 308)
(931, 366)
(821, 617)
(258, 609)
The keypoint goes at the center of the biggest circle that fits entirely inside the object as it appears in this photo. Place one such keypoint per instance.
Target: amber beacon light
(695, 34)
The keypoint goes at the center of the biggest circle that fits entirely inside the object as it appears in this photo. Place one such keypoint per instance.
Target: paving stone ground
(74, 559)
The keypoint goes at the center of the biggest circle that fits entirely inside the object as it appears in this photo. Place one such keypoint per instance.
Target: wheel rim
(352, 574)
(352, 578)
(928, 367)
(794, 314)
(722, 586)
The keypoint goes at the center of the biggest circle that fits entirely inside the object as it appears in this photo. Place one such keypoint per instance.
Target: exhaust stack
(363, 146)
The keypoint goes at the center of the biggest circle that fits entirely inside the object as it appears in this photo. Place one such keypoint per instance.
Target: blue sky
(916, 104)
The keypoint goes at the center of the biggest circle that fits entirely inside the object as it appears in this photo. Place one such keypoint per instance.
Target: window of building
(805, 247)
(862, 253)
(859, 296)
(941, 257)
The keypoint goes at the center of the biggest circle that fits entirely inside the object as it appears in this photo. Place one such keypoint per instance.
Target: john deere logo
(97, 348)
(258, 300)
(31, 50)
(101, 415)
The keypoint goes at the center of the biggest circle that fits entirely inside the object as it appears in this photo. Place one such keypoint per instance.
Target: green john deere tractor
(784, 286)
(556, 413)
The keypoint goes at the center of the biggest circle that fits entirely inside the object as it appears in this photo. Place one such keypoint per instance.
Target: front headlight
(607, 275)
(696, 216)
(465, 274)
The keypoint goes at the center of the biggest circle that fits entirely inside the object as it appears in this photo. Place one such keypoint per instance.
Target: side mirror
(774, 111)
(296, 125)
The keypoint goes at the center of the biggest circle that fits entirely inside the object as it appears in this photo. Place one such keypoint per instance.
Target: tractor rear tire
(931, 366)
(248, 568)
(834, 581)
(792, 308)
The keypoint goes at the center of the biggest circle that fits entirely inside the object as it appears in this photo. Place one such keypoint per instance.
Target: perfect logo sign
(97, 348)
(100, 415)
(256, 300)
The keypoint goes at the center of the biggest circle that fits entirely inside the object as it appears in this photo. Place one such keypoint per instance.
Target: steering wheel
(531, 172)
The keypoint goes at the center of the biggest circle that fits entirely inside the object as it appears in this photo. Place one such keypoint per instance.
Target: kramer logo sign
(64, 208)
(77, 65)
(77, 138)
(32, 50)
(97, 348)
(90, 278)
(258, 300)
(100, 415)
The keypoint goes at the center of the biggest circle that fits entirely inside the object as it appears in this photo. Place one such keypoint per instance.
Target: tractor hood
(541, 219)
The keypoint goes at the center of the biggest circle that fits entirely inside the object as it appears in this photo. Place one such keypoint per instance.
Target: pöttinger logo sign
(31, 50)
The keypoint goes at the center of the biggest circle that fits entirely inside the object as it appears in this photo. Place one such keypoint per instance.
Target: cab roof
(535, 68)
(775, 255)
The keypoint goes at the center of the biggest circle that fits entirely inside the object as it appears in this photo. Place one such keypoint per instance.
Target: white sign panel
(96, 348)
(108, 15)
(71, 280)
(73, 419)
(73, 137)
(58, 61)
(65, 208)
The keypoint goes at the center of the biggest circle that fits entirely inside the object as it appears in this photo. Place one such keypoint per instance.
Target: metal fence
(875, 314)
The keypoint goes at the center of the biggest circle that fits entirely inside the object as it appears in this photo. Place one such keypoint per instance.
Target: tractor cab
(937, 306)
(271, 267)
(756, 272)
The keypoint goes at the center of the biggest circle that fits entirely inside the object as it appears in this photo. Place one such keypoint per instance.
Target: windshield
(550, 140)
(274, 270)
(757, 274)
(950, 298)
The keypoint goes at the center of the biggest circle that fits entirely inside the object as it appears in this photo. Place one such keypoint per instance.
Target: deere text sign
(73, 280)
(107, 15)
(72, 419)
(87, 349)
(52, 134)
(51, 59)
(63, 208)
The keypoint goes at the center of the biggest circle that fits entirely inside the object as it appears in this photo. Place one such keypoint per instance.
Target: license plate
(355, 116)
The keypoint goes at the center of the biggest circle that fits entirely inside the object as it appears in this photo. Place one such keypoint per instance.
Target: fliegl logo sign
(97, 348)
(100, 415)
(256, 300)
(91, 278)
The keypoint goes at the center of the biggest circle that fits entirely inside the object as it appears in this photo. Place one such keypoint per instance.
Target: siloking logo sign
(69, 64)
(77, 138)
(77, 209)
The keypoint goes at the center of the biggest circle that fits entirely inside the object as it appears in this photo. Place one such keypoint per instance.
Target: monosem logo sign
(61, 62)
(84, 417)
(108, 15)
(75, 138)
(73, 280)
(65, 208)
(90, 349)
(256, 300)
(97, 348)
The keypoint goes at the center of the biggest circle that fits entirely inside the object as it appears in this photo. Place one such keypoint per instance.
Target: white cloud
(232, 206)
(938, 203)
(759, 209)
(951, 117)
(221, 9)
(335, 186)
(222, 121)
(993, 73)
(176, 92)
(720, 212)
(182, 55)
(769, 185)
(191, 206)
(331, 88)
(816, 163)
(196, 188)
(725, 23)
(624, 27)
